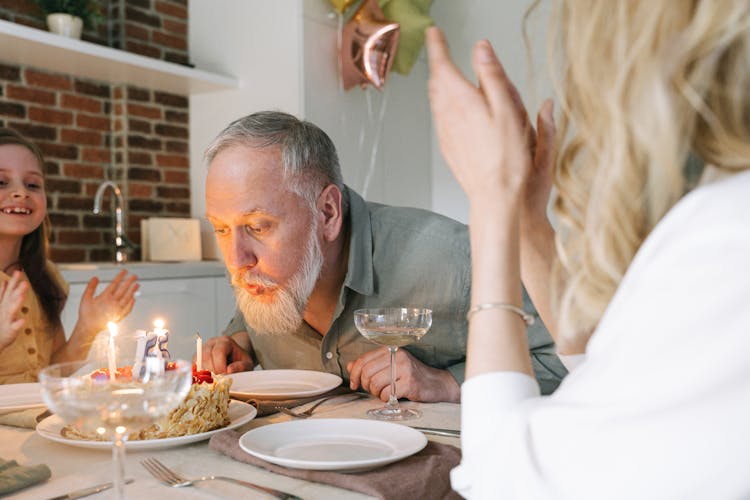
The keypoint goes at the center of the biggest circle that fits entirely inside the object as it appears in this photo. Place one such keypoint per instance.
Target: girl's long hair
(35, 247)
(644, 85)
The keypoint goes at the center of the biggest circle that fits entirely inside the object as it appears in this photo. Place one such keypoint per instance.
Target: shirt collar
(359, 273)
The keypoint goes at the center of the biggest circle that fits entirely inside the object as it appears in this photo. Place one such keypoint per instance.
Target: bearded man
(305, 251)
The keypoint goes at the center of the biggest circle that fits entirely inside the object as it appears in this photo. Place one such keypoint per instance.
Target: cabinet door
(226, 304)
(187, 306)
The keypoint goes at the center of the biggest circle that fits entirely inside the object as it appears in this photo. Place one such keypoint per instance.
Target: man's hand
(11, 297)
(223, 355)
(414, 380)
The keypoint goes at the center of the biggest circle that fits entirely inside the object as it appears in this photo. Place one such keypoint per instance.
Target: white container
(65, 25)
(170, 239)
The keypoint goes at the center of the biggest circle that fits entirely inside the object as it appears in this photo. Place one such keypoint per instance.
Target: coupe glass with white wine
(86, 395)
(393, 327)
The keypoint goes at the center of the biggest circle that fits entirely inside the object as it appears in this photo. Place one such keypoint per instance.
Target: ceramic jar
(65, 25)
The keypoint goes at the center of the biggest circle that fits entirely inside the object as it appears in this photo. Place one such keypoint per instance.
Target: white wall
(401, 161)
(284, 53)
(256, 41)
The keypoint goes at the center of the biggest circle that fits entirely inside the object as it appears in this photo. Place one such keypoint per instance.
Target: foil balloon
(413, 17)
(368, 45)
(342, 5)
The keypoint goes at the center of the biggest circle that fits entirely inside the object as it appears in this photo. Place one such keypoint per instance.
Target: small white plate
(18, 397)
(341, 444)
(282, 384)
(239, 413)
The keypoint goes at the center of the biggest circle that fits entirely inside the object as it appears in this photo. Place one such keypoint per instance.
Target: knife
(87, 491)
(439, 432)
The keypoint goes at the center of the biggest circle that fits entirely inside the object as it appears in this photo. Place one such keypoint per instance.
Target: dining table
(74, 467)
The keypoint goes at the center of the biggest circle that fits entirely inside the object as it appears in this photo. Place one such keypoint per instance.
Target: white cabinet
(190, 297)
(226, 304)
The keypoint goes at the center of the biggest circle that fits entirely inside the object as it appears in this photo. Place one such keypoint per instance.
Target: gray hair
(308, 156)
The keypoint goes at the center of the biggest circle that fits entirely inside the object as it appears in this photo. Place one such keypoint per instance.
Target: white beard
(285, 313)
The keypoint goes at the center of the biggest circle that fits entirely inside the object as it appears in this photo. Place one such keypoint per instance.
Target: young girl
(32, 292)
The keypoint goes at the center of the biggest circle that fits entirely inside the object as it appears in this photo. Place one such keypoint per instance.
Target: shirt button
(24, 309)
(32, 350)
(329, 355)
(27, 331)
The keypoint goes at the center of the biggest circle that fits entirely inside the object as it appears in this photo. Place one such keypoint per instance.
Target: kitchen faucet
(123, 247)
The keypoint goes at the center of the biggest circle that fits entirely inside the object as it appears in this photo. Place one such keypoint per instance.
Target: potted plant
(68, 17)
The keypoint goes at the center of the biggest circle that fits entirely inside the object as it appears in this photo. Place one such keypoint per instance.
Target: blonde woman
(646, 282)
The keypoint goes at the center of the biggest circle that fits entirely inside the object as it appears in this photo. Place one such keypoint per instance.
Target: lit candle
(140, 352)
(151, 344)
(159, 331)
(111, 351)
(198, 352)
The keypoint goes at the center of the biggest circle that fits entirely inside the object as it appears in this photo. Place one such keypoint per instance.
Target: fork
(175, 480)
(308, 413)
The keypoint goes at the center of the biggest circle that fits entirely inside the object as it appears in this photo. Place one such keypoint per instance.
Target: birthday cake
(204, 409)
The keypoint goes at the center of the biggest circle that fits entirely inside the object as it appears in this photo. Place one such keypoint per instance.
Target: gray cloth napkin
(423, 475)
(14, 477)
(269, 406)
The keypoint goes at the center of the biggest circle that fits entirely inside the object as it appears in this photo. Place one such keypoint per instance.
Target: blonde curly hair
(643, 85)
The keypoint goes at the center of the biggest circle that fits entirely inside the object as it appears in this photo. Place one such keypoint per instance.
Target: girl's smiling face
(23, 201)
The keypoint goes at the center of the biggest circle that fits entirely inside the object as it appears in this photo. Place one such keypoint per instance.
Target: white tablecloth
(74, 468)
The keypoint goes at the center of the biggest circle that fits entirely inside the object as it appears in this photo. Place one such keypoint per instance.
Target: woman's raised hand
(484, 131)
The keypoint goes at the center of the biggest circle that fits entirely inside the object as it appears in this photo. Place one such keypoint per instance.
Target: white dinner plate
(239, 413)
(17, 397)
(282, 384)
(342, 444)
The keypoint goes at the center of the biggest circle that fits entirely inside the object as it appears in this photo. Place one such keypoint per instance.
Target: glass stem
(392, 400)
(118, 462)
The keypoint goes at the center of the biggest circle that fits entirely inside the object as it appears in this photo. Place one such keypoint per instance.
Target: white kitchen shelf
(26, 46)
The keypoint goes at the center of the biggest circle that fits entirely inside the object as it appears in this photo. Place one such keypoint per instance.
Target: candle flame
(159, 323)
(112, 327)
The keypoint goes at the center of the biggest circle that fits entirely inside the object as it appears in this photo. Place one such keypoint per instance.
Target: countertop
(83, 271)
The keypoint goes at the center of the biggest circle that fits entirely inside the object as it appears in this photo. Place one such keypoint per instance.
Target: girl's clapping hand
(12, 293)
(114, 303)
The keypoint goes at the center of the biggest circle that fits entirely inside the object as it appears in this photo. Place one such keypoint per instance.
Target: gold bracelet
(527, 318)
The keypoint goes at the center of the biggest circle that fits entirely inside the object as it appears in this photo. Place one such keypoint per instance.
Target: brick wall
(90, 131)
(153, 28)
